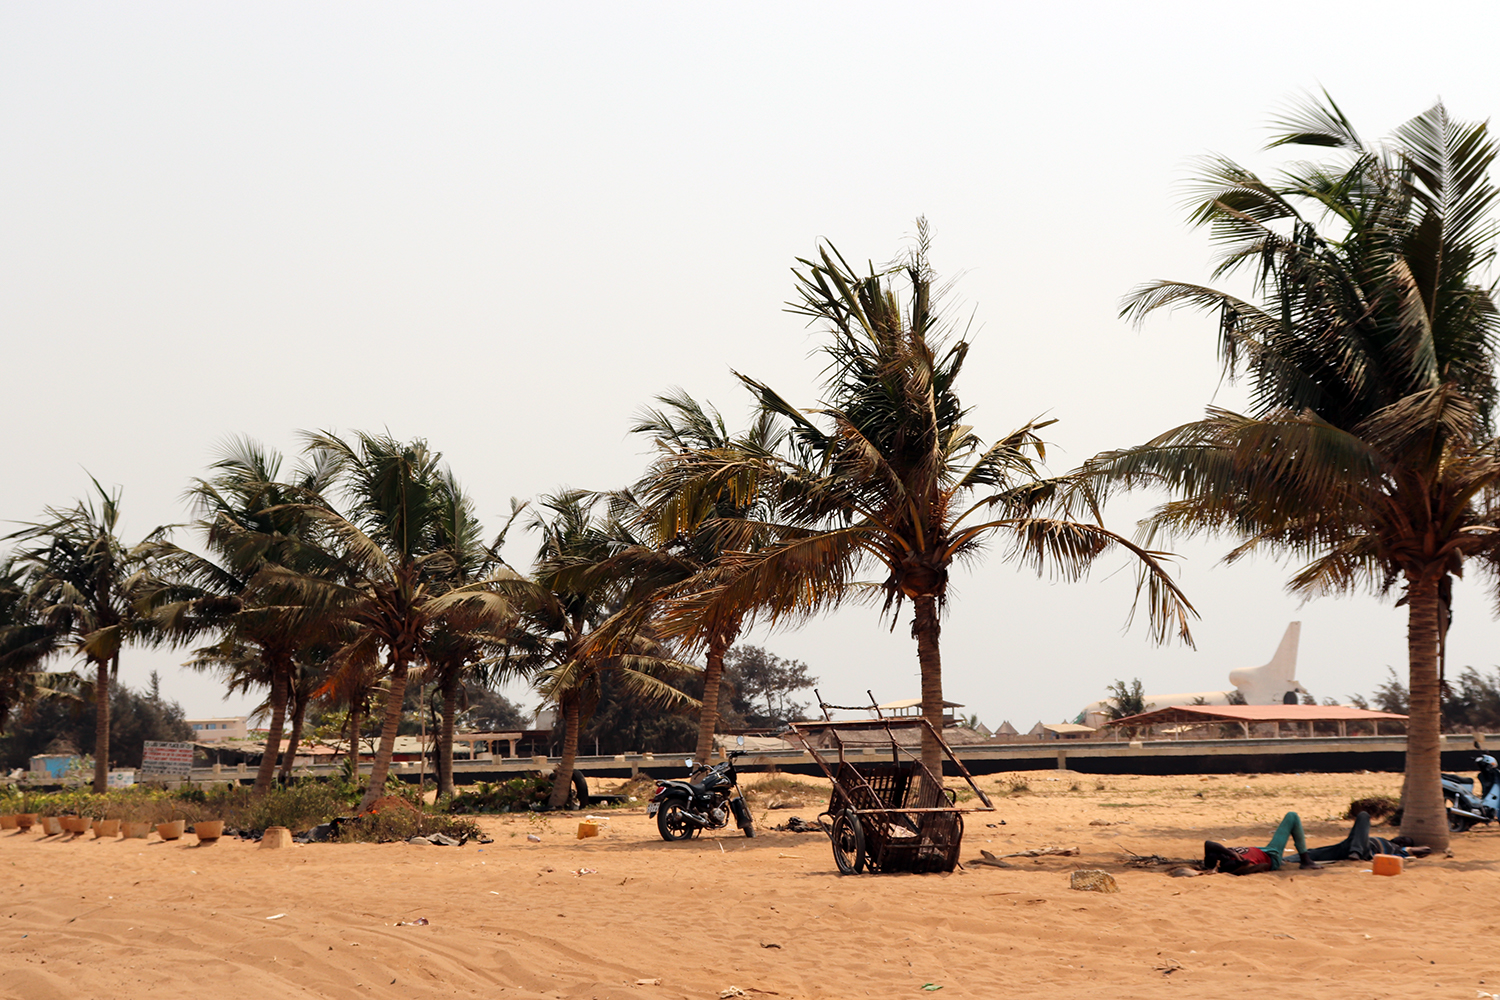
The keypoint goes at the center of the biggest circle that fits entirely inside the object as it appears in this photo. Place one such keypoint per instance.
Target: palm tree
(455, 651)
(26, 642)
(888, 474)
(692, 529)
(84, 582)
(1367, 450)
(576, 590)
(249, 520)
(389, 559)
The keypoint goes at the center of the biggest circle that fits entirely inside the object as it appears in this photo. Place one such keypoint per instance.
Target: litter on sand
(419, 922)
(276, 916)
(585, 871)
(533, 838)
(648, 982)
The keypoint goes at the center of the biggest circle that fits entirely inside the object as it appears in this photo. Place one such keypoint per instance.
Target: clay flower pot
(209, 829)
(106, 828)
(25, 821)
(136, 831)
(8, 822)
(171, 830)
(52, 825)
(77, 824)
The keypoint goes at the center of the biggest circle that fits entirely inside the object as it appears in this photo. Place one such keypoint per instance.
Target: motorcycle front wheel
(672, 821)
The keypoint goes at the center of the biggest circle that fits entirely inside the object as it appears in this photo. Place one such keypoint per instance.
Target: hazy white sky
(505, 227)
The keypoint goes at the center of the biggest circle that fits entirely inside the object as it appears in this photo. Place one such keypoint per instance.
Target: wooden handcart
(892, 814)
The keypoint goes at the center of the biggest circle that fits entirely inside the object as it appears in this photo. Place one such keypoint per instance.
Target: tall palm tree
(456, 651)
(1368, 448)
(249, 520)
(389, 560)
(84, 582)
(692, 528)
(887, 474)
(576, 589)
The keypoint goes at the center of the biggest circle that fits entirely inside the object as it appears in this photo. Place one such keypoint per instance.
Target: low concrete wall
(1331, 754)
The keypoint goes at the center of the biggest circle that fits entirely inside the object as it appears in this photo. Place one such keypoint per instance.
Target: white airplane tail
(1271, 683)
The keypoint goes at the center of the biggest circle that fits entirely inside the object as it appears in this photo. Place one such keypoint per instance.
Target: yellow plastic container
(587, 829)
(1388, 864)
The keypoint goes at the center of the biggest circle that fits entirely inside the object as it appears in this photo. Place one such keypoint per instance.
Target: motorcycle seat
(1459, 779)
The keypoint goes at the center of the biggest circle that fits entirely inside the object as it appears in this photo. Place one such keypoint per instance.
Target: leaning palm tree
(1367, 450)
(887, 474)
(387, 559)
(456, 651)
(693, 529)
(249, 519)
(575, 590)
(83, 581)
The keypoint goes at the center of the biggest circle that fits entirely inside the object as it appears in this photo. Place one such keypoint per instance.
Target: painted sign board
(167, 760)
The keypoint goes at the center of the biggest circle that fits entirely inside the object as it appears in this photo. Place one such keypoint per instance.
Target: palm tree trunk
(101, 727)
(450, 711)
(299, 715)
(387, 746)
(708, 715)
(562, 780)
(273, 733)
(1425, 819)
(356, 721)
(925, 628)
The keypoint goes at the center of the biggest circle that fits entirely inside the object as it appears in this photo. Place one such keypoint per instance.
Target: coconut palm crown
(887, 474)
(1369, 352)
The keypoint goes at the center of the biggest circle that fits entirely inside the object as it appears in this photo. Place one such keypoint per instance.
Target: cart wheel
(848, 843)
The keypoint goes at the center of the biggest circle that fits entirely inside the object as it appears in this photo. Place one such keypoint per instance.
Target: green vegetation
(299, 807)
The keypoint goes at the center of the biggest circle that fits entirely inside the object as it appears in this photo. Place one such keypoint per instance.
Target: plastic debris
(533, 838)
(585, 871)
(276, 916)
(419, 922)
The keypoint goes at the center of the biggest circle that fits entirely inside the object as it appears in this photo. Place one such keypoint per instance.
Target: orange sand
(769, 916)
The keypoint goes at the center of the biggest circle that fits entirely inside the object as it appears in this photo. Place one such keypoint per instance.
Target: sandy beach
(626, 915)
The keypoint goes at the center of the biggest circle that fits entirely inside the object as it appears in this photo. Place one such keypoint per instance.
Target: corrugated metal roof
(1255, 713)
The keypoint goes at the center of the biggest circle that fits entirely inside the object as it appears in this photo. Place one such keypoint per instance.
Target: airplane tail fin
(1284, 664)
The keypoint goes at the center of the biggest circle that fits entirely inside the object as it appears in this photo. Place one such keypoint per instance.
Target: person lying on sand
(1249, 860)
(1358, 844)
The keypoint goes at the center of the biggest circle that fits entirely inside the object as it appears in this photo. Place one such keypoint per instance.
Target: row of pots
(52, 825)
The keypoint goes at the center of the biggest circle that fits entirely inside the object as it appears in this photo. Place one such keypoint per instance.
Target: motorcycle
(1464, 807)
(685, 808)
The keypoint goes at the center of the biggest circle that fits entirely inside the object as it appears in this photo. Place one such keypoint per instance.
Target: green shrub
(400, 824)
(512, 795)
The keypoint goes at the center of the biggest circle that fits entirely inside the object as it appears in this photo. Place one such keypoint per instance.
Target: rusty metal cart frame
(888, 816)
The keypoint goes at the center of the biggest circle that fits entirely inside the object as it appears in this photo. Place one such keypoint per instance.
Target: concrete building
(218, 730)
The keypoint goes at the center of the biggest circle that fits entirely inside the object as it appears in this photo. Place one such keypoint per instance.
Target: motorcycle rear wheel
(1456, 824)
(848, 843)
(672, 821)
